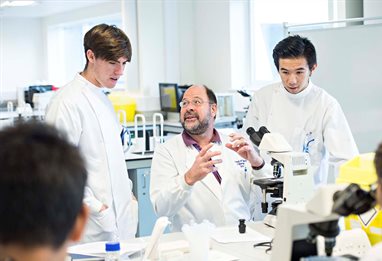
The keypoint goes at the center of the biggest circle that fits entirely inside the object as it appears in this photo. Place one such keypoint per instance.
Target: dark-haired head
(295, 46)
(107, 42)
(42, 180)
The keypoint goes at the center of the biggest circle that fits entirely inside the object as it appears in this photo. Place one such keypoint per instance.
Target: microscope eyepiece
(263, 130)
(353, 200)
(253, 136)
(256, 136)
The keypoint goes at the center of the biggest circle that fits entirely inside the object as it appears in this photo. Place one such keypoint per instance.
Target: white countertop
(138, 156)
(13, 114)
(244, 251)
(8, 115)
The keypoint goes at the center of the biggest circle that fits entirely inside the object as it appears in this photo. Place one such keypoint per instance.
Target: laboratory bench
(8, 118)
(176, 243)
(243, 251)
(9, 115)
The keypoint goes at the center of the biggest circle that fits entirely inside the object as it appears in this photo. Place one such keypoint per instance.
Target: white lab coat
(310, 114)
(374, 254)
(221, 204)
(84, 112)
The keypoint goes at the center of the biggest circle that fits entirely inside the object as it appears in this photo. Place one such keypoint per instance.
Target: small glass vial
(242, 226)
(112, 251)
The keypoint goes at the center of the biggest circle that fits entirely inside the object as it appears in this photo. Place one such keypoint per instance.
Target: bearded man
(202, 174)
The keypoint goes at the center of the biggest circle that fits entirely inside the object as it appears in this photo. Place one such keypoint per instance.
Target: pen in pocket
(307, 142)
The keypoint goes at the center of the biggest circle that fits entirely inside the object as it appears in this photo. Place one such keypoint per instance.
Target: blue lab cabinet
(139, 173)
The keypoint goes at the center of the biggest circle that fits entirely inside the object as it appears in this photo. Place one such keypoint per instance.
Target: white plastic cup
(198, 236)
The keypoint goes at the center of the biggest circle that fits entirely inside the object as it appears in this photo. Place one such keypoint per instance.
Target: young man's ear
(90, 55)
(80, 223)
(312, 70)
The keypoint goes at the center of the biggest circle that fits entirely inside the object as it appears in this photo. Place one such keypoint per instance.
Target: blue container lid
(112, 246)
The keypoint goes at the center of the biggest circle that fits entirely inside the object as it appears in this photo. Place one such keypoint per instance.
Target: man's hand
(245, 149)
(203, 165)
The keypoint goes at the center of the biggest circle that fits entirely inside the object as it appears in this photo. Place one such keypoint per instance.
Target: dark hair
(378, 161)
(42, 180)
(295, 46)
(107, 42)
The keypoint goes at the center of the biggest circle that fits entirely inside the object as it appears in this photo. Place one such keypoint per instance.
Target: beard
(200, 127)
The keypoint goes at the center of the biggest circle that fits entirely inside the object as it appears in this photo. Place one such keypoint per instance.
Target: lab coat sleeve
(252, 120)
(337, 135)
(65, 117)
(168, 189)
(264, 172)
(252, 116)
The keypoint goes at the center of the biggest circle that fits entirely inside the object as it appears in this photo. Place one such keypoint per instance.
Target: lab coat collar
(300, 95)
(91, 86)
(189, 141)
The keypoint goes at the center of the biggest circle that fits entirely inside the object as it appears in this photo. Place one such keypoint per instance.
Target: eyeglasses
(194, 102)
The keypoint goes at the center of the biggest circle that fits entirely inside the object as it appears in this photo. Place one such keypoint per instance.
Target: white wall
(91, 12)
(21, 51)
(150, 45)
(186, 33)
(372, 8)
(129, 25)
(212, 44)
(173, 41)
(348, 69)
(166, 44)
(176, 41)
(184, 42)
(62, 32)
(240, 41)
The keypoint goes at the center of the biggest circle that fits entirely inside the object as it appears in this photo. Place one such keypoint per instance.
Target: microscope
(292, 179)
(299, 225)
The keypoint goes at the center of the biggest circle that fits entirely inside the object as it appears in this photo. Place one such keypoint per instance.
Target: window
(266, 20)
(65, 48)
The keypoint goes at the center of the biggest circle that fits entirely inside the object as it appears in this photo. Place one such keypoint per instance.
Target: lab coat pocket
(297, 140)
(106, 220)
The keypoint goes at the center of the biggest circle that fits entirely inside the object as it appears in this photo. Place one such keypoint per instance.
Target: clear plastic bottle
(112, 251)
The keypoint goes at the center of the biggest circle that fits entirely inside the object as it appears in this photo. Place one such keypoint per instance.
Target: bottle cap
(112, 246)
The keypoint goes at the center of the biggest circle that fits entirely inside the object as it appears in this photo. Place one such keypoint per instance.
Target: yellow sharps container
(123, 102)
(361, 170)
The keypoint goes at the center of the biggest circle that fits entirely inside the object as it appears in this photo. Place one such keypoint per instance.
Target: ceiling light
(17, 3)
